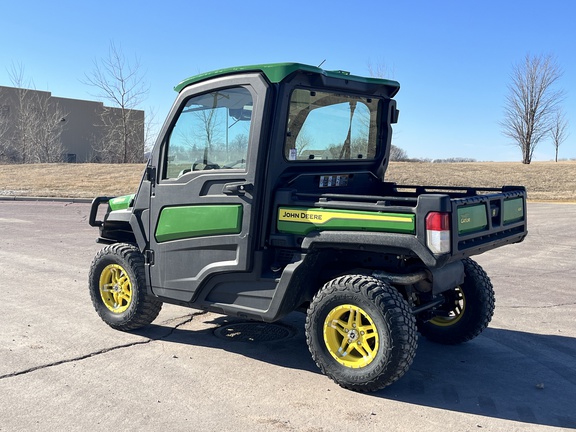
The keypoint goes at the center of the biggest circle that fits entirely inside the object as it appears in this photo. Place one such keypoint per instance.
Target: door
(201, 207)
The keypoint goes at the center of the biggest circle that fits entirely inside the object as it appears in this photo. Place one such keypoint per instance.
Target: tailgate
(484, 222)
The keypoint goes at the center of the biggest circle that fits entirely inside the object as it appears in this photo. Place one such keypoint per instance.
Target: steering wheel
(233, 164)
(204, 165)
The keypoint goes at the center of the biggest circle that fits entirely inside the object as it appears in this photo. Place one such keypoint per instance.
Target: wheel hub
(351, 336)
(453, 310)
(115, 288)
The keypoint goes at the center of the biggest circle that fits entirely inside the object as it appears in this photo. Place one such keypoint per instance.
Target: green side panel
(301, 221)
(177, 223)
(121, 202)
(472, 219)
(276, 72)
(513, 210)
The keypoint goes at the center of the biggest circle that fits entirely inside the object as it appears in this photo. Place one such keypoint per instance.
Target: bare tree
(150, 129)
(397, 154)
(559, 131)
(48, 122)
(122, 84)
(7, 151)
(239, 144)
(24, 116)
(303, 141)
(211, 130)
(532, 102)
(122, 137)
(379, 69)
(38, 123)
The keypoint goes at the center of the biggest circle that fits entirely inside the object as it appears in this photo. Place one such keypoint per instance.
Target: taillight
(438, 232)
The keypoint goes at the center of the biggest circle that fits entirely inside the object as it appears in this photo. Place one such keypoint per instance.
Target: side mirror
(394, 115)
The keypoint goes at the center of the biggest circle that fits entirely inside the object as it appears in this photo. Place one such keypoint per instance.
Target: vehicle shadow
(290, 352)
(504, 374)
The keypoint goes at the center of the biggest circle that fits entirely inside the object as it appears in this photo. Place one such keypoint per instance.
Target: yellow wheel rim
(455, 314)
(351, 336)
(115, 288)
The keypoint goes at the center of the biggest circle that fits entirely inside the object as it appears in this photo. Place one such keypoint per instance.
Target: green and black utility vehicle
(266, 193)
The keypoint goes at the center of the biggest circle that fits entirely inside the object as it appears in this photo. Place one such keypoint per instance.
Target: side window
(212, 132)
(330, 126)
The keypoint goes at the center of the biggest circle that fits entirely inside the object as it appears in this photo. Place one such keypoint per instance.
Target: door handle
(237, 188)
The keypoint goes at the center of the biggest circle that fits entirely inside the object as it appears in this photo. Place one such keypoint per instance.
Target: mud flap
(447, 277)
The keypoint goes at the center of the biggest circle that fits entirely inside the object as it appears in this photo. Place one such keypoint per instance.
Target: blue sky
(452, 58)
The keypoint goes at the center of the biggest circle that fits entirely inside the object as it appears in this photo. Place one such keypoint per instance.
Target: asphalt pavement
(62, 368)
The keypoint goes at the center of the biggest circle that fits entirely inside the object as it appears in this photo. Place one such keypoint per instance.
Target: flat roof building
(38, 127)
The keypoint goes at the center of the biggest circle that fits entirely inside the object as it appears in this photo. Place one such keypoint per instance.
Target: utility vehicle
(266, 193)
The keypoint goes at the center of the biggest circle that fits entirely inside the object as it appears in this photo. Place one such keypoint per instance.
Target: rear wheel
(361, 332)
(118, 288)
(467, 309)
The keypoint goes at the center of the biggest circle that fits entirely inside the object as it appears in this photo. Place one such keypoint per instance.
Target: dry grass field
(545, 181)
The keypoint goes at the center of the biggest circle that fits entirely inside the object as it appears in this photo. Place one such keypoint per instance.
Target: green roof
(276, 72)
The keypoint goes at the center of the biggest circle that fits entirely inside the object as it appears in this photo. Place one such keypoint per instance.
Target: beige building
(34, 124)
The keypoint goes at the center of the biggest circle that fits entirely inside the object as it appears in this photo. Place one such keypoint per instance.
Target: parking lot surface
(62, 368)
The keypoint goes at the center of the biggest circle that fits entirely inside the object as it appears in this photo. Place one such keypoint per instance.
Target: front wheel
(361, 332)
(118, 288)
(467, 309)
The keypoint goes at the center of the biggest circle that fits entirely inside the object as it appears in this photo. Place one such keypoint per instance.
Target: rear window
(330, 126)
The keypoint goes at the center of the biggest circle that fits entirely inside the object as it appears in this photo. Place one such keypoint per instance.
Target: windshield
(329, 126)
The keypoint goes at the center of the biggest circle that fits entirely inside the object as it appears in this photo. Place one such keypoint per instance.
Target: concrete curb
(46, 199)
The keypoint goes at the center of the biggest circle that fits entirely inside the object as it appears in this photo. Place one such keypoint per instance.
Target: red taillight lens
(438, 232)
(437, 221)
